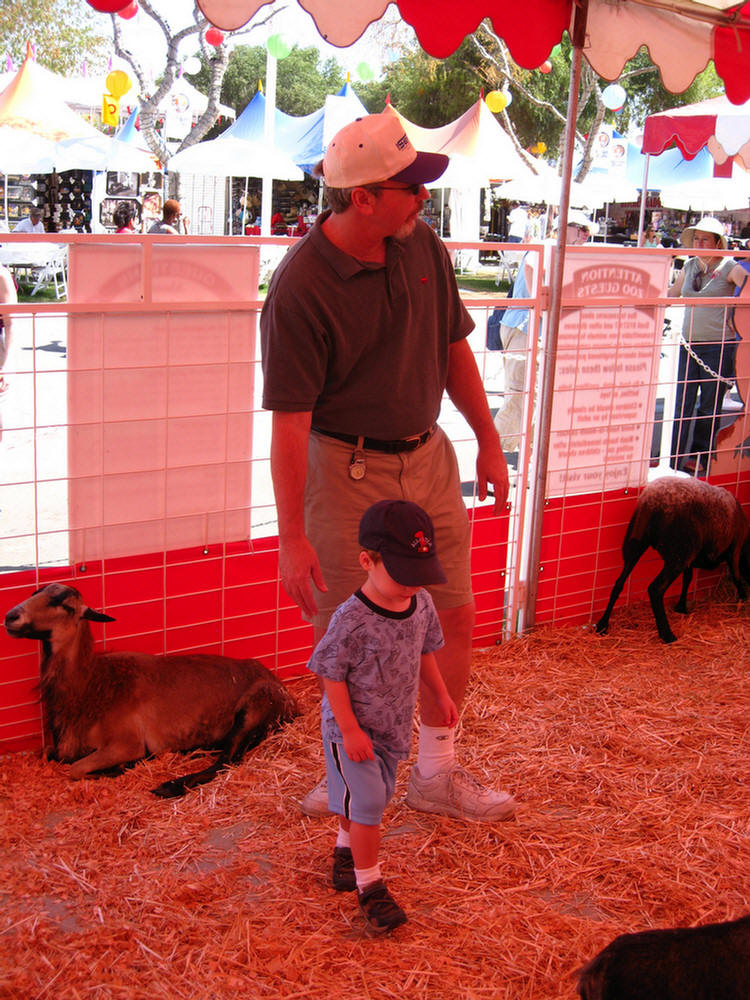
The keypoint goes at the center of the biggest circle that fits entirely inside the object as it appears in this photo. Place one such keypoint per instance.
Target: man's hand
(492, 469)
(298, 566)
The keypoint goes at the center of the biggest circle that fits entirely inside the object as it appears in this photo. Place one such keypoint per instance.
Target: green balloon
(364, 72)
(277, 47)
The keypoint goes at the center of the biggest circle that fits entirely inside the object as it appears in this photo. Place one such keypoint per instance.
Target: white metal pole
(644, 191)
(268, 136)
(540, 459)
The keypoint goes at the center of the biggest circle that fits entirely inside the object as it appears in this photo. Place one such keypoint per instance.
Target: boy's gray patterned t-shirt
(377, 653)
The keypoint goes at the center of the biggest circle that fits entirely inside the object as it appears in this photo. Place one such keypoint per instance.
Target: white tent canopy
(480, 149)
(84, 93)
(228, 156)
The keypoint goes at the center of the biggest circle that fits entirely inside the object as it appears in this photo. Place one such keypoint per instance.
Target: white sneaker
(315, 803)
(457, 793)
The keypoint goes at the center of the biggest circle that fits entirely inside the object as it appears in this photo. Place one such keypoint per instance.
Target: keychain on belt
(357, 465)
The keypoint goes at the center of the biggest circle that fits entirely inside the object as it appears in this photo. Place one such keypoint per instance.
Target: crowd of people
(708, 340)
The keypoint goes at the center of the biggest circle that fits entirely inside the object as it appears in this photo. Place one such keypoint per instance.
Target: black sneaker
(381, 911)
(343, 879)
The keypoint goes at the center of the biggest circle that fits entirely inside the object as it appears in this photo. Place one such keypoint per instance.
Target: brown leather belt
(377, 444)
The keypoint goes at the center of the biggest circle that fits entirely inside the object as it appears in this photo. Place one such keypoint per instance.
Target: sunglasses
(412, 189)
(697, 281)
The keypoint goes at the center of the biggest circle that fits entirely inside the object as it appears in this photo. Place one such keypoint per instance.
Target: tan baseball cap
(376, 148)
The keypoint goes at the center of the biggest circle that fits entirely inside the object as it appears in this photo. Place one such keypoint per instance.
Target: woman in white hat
(707, 346)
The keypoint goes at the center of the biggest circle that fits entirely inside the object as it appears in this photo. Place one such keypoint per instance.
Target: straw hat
(707, 225)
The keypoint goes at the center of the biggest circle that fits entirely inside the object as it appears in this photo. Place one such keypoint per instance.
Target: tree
(540, 99)
(61, 31)
(150, 99)
(303, 81)
(430, 92)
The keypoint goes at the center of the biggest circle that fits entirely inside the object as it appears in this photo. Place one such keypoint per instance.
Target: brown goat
(107, 710)
(692, 525)
(711, 962)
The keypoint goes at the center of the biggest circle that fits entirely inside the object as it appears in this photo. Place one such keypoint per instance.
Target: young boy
(378, 650)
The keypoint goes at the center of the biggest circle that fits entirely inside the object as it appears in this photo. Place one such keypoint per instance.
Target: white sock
(436, 750)
(366, 876)
(342, 838)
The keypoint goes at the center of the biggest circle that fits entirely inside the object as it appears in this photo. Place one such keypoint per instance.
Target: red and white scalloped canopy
(681, 35)
(716, 123)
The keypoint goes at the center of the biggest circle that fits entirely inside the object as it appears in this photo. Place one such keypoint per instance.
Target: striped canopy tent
(682, 36)
(34, 120)
(716, 124)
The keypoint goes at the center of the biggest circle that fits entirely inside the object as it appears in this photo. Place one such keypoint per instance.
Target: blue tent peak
(129, 132)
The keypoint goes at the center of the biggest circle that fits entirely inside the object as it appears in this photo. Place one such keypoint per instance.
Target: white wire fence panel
(134, 459)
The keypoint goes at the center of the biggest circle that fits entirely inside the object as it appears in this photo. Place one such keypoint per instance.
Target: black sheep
(692, 525)
(711, 962)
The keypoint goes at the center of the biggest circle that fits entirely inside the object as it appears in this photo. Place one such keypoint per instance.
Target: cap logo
(403, 142)
(421, 542)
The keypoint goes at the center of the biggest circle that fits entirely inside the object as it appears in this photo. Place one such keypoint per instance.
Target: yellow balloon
(541, 148)
(496, 100)
(118, 83)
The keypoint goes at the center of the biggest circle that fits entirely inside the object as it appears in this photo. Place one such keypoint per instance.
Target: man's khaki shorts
(334, 504)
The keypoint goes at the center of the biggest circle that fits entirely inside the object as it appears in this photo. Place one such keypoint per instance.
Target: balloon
(364, 72)
(613, 97)
(118, 83)
(496, 101)
(192, 65)
(546, 67)
(508, 98)
(277, 47)
(108, 6)
(214, 36)
(130, 11)
(541, 148)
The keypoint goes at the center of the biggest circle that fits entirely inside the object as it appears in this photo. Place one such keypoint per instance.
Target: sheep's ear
(96, 616)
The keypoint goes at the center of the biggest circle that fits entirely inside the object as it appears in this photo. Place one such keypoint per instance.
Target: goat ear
(96, 616)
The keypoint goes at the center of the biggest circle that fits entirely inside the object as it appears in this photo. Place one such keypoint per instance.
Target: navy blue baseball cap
(404, 536)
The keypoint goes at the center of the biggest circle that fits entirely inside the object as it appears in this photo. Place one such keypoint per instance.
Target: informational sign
(610, 152)
(178, 119)
(160, 401)
(607, 371)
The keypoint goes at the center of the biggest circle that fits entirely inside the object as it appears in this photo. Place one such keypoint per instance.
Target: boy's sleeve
(330, 657)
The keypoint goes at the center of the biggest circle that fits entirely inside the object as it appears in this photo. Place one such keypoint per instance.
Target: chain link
(703, 365)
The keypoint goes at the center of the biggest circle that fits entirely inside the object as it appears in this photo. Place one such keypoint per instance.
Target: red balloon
(130, 11)
(108, 6)
(546, 67)
(214, 36)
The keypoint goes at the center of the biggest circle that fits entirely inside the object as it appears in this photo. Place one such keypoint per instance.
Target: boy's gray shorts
(359, 791)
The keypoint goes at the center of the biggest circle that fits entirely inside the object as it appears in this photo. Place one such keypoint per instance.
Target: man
(518, 223)
(514, 334)
(32, 223)
(362, 330)
(170, 221)
(707, 346)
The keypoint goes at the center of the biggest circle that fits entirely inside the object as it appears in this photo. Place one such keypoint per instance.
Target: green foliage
(65, 32)
(302, 83)
(429, 92)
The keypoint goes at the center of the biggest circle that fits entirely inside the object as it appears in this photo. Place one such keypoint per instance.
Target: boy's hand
(358, 745)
